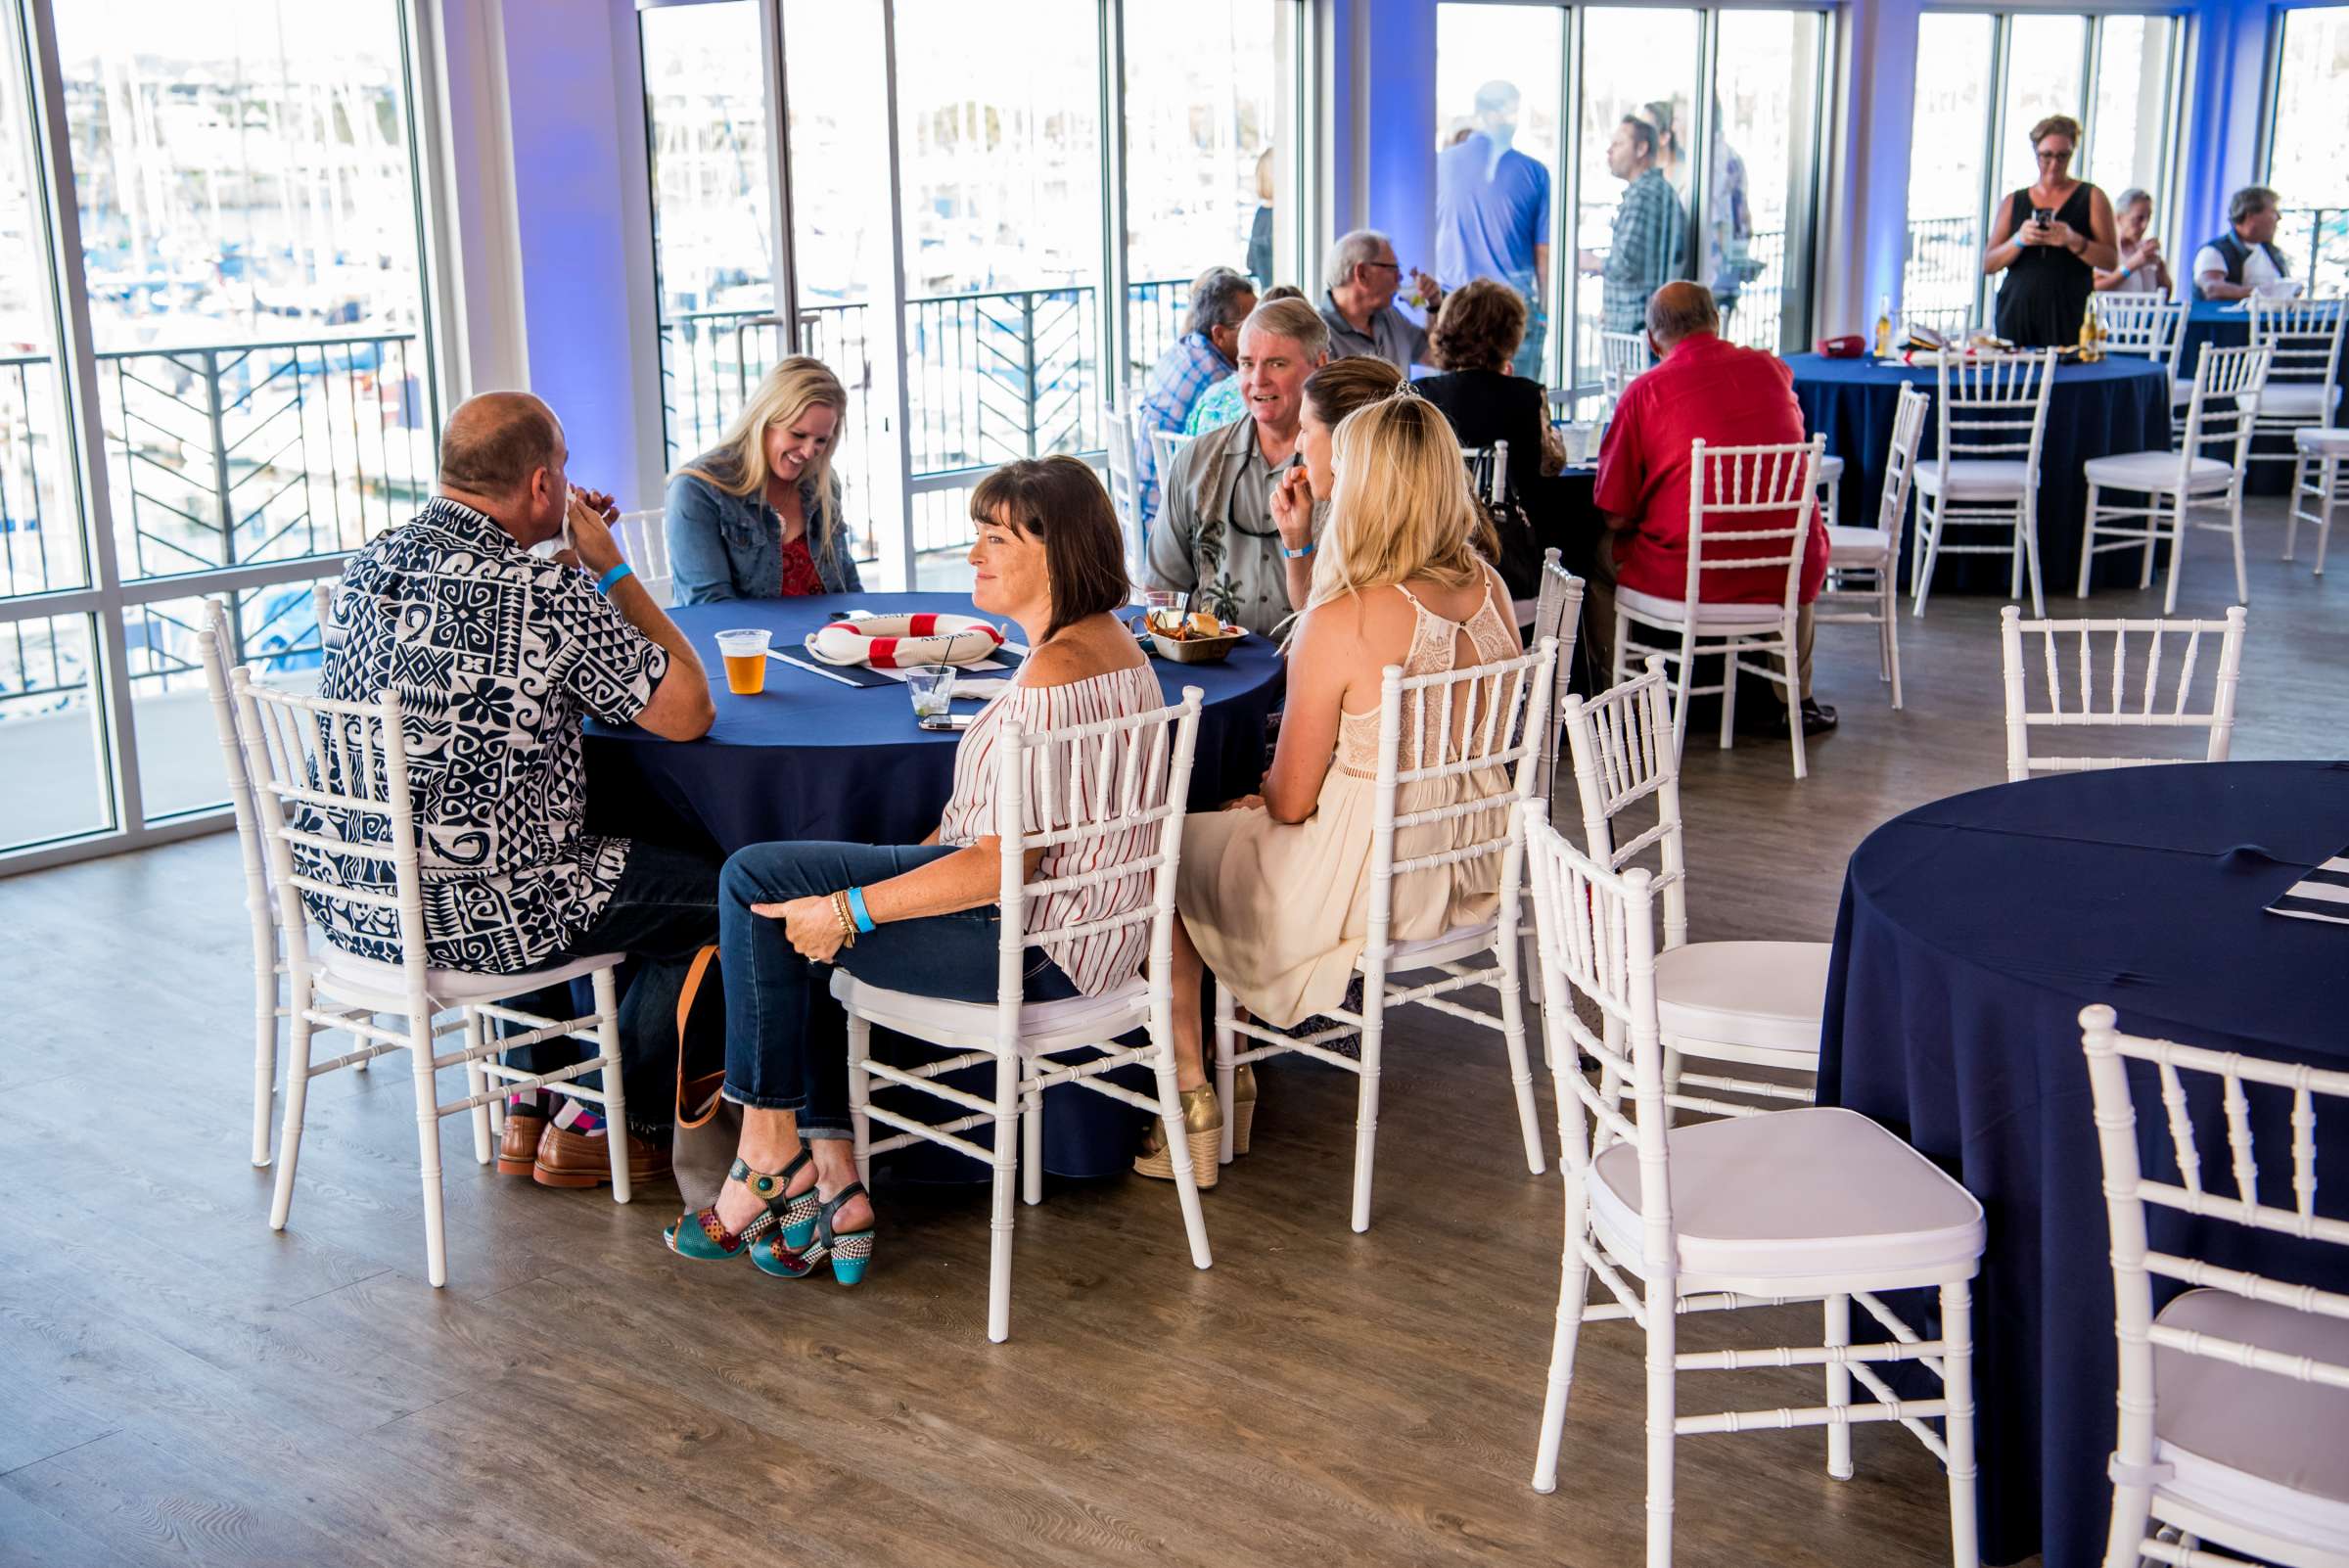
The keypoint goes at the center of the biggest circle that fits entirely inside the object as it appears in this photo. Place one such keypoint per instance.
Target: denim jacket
(723, 546)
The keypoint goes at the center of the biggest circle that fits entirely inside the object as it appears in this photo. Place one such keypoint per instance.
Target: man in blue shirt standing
(1493, 216)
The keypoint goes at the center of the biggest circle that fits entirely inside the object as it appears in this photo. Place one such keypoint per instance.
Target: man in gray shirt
(1361, 279)
(1216, 534)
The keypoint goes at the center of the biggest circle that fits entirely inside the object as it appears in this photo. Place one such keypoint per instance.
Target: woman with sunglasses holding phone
(2049, 240)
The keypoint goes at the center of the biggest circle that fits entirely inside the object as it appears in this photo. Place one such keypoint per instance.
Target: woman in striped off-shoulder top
(923, 917)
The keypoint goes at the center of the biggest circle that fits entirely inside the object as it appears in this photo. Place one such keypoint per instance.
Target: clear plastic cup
(931, 688)
(745, 654)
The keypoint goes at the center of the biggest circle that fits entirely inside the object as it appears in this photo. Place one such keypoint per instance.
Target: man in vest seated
(2234, 265)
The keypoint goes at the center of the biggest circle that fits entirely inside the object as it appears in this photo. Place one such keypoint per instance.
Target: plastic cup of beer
(745, 654)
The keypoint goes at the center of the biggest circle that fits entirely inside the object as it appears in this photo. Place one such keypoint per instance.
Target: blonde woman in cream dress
(1275, 889)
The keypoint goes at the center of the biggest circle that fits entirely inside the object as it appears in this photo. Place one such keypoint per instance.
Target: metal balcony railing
(991, 376)
(218, 455)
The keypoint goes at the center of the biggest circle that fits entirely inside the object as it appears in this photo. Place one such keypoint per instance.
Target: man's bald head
(494, 443)
(1681, 309)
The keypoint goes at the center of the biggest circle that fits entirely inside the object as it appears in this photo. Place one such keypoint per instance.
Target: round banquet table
(2119, 405)
(2227, 324)
(811, 759)
(1972, 934)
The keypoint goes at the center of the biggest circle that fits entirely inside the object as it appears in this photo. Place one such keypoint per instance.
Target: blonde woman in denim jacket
(758, 516)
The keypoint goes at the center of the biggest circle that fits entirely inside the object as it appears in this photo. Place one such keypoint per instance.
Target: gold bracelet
(848, 922)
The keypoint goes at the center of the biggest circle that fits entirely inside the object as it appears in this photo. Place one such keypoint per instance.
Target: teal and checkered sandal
(816, 1241)
(699, 1235)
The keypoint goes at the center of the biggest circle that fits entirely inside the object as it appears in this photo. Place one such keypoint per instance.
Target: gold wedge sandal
(1202, 1135)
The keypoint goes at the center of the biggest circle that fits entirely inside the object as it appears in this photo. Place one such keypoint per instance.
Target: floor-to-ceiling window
(241, 256)
(1983, 81)
(952, 261)
(1652, 177)
(2308, 143)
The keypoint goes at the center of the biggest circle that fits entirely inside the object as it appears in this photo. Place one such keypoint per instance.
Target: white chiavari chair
(2148, 326)
(1863, 563)
(2318, 455)
(2220, 413)
(1992, 417)
(1740, 502)
(2234, 1398)
(1439, 734)
(1623, 358)
(1117, 439)
(2302, 388)
(1672, 1220)
(331, 786)
(1557, 615)
(643, 541)
(1756, 1004)
(1092, 786)
(1830, 490)
(1164, 445)
(2127, 703)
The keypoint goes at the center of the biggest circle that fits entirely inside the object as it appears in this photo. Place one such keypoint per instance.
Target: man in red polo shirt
(1729, 397)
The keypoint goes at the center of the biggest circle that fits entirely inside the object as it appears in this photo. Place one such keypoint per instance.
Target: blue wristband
(857, 911)
(605, 583)
(1297, 555)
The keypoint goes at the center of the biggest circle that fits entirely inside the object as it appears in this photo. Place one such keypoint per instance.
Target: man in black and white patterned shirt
(497, 655)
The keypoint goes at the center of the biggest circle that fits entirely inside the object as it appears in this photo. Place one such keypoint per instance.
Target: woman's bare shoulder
(1093, 648)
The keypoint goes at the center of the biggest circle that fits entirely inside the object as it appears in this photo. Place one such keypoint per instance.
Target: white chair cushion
(1830, 469)
(2248, 1444)
(2155, 471)
(2323, 440)
(971, 1026)
(1715, 619)
(1793, 1194)
(1856, 546)
(386, 985)
(1766, 994)
(1977, 478)
(2298, 399)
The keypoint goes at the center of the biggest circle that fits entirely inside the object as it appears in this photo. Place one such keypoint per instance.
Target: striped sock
(577, 1118)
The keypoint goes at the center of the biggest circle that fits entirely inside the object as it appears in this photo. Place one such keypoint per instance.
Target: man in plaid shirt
(1649, 226)
(1220, 300)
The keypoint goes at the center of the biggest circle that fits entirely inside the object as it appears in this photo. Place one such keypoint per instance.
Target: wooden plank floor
(177, 1384)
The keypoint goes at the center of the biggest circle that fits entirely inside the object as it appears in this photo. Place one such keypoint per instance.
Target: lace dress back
(1435, 650)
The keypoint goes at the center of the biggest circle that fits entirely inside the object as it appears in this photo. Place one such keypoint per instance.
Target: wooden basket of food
(1197, 638)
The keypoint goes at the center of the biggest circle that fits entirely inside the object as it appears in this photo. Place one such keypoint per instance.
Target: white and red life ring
(900, 642)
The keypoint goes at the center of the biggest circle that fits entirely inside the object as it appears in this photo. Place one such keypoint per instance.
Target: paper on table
(980, 689)
(2322, 895)
(900, 675)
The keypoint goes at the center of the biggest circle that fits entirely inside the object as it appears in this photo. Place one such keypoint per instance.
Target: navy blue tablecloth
(2227, 324)
(1972, 934)
(2118, 404)
(809, 758)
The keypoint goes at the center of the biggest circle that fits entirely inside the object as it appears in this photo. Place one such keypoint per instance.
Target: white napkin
(2322, 895)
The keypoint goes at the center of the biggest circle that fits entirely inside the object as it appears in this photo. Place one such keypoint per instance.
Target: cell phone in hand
(2043, 215)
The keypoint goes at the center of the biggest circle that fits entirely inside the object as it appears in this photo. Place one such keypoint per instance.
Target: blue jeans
(787, 1041)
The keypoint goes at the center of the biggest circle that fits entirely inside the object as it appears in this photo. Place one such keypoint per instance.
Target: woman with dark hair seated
(1474, 338)
(920, 917)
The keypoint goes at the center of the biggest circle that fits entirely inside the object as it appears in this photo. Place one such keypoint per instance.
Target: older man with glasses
(1361, 278)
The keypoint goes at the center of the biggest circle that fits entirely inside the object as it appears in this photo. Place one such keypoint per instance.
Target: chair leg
(264, 1052)
(1794, 701)
(1663, 1326)
(1574, 1276)
(2088, 542)
(2029, 541)
(1365, 1112)
(1622, 628)
(1838, 1312)
(1729, 695)
(1892, 634)
(1032, 1145)
(297, 1098)
(1171, 1128)
(2144, 556)
(860, 1095)
(1225, 1042)
(1928, 539)
(477, 1080)
(1510, 951)
(999, 1213)
(2235, 528)
(1957, 1428)
(2292, 510)
(2330, 477)
(616, 1100)
(428, 1147)
(2177, 520)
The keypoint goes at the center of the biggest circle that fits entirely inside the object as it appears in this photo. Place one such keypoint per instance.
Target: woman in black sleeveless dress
(2050, 267)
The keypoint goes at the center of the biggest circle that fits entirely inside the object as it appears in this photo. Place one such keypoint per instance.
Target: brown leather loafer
(518, 1146)
(573, 1160)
